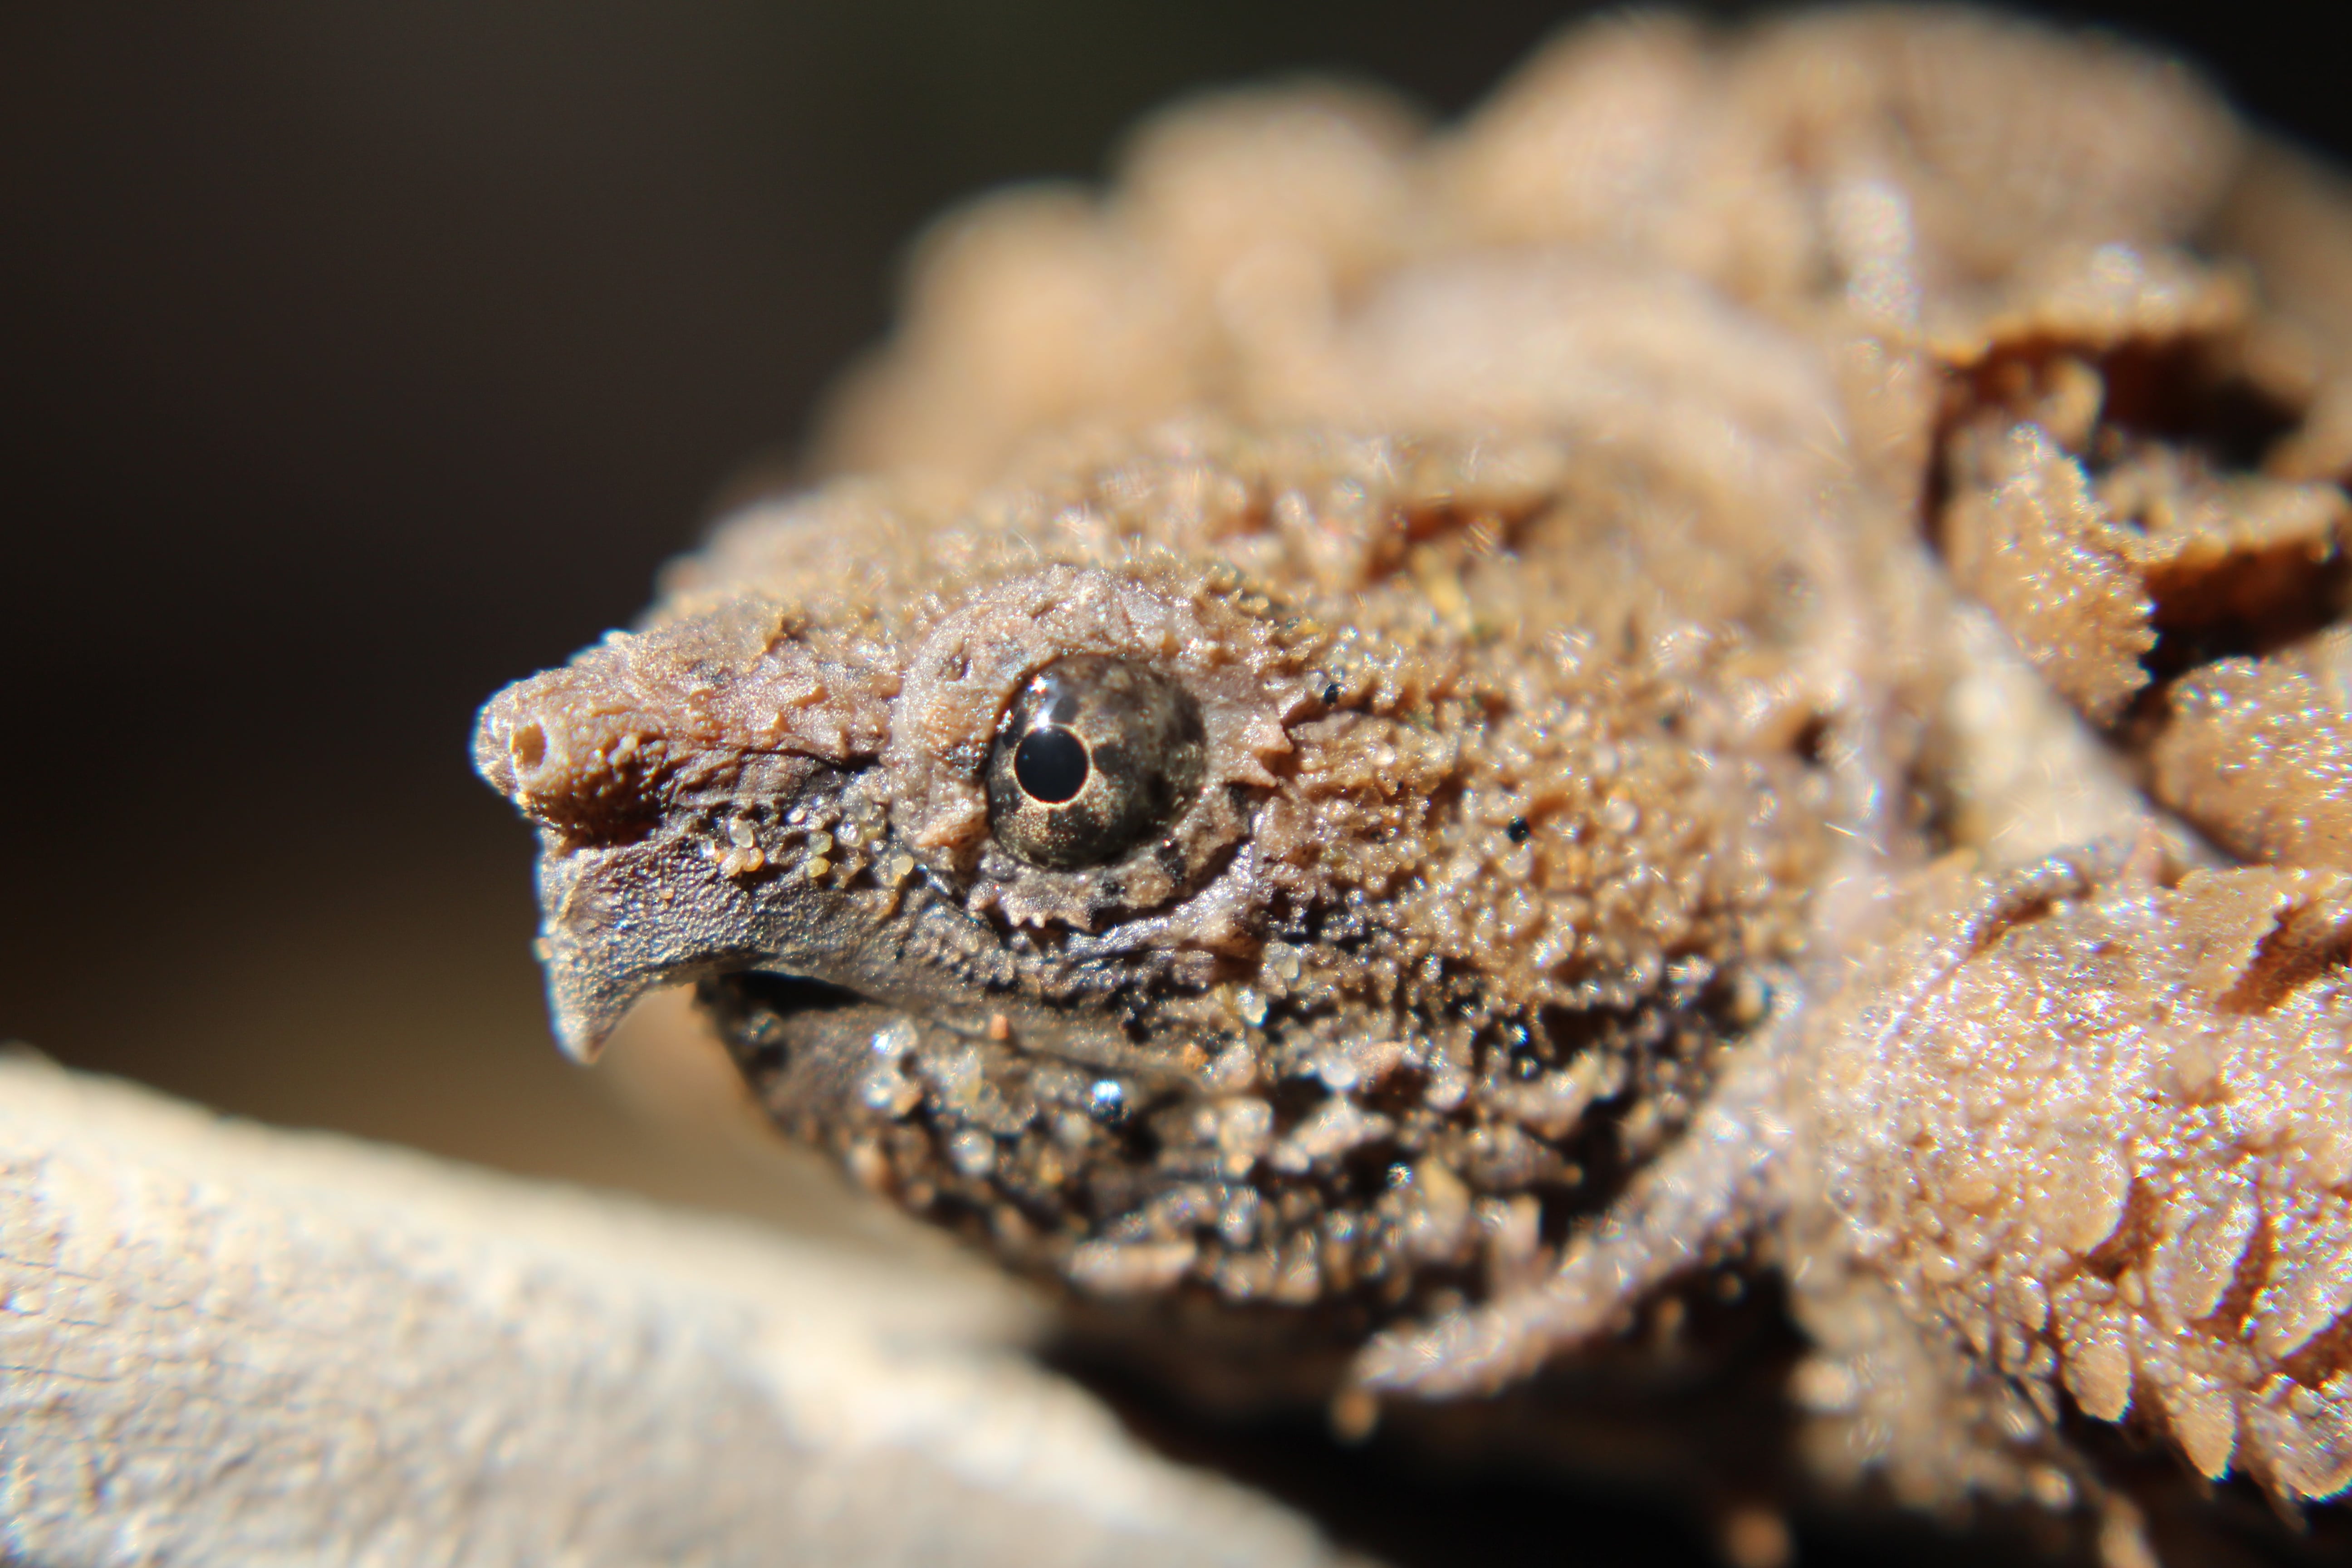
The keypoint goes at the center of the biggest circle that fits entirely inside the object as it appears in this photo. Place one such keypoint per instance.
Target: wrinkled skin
(1766, 700)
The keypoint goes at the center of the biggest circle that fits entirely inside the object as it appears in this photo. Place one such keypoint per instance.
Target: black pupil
(1051, 765)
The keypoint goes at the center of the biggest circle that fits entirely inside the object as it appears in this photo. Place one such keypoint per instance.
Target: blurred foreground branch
(225, 1344)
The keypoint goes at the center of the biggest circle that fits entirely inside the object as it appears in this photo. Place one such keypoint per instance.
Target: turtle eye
(1094, 756)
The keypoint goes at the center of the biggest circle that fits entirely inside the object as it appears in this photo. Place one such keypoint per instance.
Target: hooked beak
(630, 900)
(617, 921)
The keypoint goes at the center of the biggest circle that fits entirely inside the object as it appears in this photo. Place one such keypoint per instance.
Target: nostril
(528, 747)
(571, 757)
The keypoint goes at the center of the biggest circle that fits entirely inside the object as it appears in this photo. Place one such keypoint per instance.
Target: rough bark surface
(222, 1344)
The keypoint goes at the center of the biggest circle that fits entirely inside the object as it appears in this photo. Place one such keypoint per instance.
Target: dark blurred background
(357, 359)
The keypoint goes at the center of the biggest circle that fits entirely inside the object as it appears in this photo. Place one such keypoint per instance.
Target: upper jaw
(650, 869)
(680, 903)
(619, 920)
(658, 767)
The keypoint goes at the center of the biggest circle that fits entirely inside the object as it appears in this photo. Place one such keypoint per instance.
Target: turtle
(1704, 721)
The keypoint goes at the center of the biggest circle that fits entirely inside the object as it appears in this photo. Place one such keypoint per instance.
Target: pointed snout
(627, 756)
(590, 768)
(569, 756)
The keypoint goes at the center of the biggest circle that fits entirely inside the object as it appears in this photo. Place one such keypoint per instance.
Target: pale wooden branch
(221, 1344)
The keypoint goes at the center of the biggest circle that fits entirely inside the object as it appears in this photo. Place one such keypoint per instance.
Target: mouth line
(787, 995)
